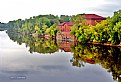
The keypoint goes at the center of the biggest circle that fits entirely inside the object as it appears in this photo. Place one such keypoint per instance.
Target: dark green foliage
(64, 18)
(3, 26)
(116, 38)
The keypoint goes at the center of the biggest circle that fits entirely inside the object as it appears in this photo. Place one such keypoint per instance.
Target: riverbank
(104, 44)
(54, 37)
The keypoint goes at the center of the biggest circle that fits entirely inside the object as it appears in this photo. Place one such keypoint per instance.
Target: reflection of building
(65, 27)
(90, 60)
(65, 46)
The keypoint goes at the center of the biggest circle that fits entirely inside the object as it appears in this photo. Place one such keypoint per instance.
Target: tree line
(38, 25)
(2, 26)
(107, 31)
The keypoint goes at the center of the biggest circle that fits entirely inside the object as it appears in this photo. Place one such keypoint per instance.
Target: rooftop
(68, 23)
(93, 16)
(87, 16)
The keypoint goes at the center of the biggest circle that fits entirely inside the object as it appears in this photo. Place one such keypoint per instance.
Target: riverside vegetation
(108, 31)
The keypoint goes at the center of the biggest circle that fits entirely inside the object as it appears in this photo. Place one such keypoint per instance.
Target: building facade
(64, 31)
(65, 27)
(93, 19)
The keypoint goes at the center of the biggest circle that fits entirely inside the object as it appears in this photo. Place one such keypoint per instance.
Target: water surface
(28, 59)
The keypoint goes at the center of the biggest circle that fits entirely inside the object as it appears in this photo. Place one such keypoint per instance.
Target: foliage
(38, 25)
(107, 31)
(3, 26)
(52, 30)
(80, 29)
(64, 18)
(39, 45)
(108, 57)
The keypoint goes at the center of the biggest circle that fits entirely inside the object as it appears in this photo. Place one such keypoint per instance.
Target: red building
(93, 19)
(65, 27)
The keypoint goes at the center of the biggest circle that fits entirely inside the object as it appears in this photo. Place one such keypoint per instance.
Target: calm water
(28, 59)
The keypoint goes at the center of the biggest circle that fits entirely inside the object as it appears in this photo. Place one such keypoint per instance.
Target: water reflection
(108, 57)
(82, 56)
(39, 45)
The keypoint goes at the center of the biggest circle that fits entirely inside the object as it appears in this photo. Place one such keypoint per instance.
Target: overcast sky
(15, 9)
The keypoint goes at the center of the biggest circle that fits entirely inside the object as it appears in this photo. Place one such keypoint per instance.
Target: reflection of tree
(43, 46)
(77, 62)
(36, 44)
(107, 57)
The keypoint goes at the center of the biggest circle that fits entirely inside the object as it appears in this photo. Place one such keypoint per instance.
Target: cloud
(54, 67)
(15, 9)
(106, 9)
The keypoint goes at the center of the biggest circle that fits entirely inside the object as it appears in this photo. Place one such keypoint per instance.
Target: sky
(21, 9)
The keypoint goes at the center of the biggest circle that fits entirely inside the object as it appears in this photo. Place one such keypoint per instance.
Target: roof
(68, 23)
(94, 16)
(86, 16)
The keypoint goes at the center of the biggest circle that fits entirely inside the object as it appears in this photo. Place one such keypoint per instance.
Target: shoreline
(94, 43)
(104, 44)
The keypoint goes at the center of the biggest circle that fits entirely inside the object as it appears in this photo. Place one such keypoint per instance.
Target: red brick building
(65, 27)
(93, 19)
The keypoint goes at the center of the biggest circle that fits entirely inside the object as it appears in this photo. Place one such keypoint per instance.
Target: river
(24, 59)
